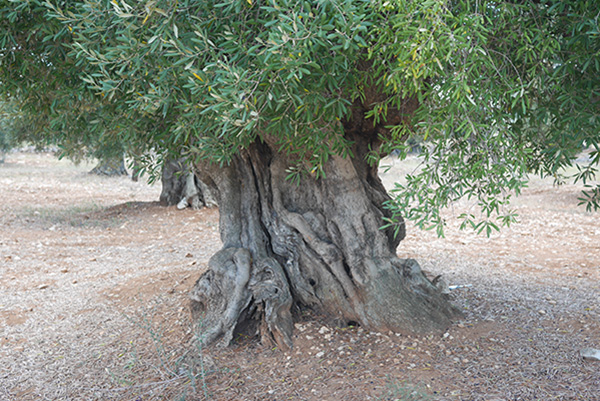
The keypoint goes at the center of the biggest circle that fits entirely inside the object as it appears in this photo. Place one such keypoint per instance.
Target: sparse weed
(403, 391)
(168, 372)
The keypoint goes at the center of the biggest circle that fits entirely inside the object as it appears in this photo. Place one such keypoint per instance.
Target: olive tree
(286, 107)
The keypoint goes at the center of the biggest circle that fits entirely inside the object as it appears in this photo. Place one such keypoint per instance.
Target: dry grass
(93, 305)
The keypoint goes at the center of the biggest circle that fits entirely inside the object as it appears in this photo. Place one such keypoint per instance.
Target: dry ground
(94, 277)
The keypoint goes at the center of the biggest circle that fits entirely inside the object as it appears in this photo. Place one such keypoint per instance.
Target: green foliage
(222, 75)
(38, 76)
(501, 89)
(506, 89)
(35, 74)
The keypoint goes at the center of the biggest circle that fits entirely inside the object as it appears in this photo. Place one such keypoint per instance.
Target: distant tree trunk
(135, 171)
(181, 187)
(111, 167)
(315, 245)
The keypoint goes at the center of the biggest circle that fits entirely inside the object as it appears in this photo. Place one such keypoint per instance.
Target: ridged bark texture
(315, 245)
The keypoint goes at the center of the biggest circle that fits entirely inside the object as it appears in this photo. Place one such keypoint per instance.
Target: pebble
(590, 354)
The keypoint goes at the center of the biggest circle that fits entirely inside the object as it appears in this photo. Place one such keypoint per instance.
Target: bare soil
(94, 276)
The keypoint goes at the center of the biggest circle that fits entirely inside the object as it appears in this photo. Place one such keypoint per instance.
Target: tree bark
(315, 245)
(181, 187)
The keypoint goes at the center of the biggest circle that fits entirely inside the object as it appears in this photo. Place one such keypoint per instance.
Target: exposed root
(270, 289)
(230, 294)
(221, 294)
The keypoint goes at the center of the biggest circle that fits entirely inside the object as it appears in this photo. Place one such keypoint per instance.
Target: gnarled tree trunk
(316, 245)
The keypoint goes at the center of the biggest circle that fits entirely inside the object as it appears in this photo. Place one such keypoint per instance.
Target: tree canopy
(494, 89)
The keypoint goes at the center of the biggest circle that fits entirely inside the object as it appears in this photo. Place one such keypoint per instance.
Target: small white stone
(590, 354)
(323, 330)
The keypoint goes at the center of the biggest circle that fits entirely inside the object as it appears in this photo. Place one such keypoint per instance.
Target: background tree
(286, 107)
(10, 124)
